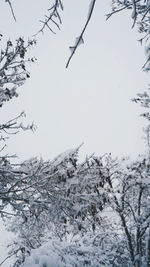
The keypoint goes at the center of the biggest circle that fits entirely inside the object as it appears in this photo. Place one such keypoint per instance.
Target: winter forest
(73, 211)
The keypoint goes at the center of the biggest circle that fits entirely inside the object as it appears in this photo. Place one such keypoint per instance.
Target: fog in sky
(91, 101)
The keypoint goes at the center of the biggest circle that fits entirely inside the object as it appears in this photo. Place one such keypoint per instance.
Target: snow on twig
(80, 40)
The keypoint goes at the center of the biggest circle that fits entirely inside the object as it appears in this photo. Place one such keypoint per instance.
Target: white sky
(90, 101)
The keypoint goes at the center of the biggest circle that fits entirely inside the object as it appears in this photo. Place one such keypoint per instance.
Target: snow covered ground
(61, 254)
(46, 256)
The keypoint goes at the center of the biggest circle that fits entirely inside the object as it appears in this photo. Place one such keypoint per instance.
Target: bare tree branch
(9, 256)
(79, 39)
(53, 17)
(11, 8)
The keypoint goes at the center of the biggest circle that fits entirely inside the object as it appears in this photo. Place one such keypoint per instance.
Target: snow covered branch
(80, 39)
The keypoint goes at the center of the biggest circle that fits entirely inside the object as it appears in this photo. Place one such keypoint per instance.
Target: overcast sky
(90, 101)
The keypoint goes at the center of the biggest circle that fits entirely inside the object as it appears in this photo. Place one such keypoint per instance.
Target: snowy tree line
(66, 212)
(100, 208)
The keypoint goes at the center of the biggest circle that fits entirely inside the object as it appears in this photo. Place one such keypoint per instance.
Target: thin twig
(82, 33)
(54, 14)
(134, 12)
(7, 213)
(148, 9)
(11, 8)
(14, 253)
(120, 9)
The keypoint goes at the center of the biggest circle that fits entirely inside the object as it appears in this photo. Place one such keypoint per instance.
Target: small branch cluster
(140, 15)
(53, 18)
(144, 100)
(13, 72)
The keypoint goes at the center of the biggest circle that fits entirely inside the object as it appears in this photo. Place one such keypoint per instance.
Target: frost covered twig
(134, 13)
(80, 40)
(53, 17)
(13, 72)
(123, 7)
(9, 256)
